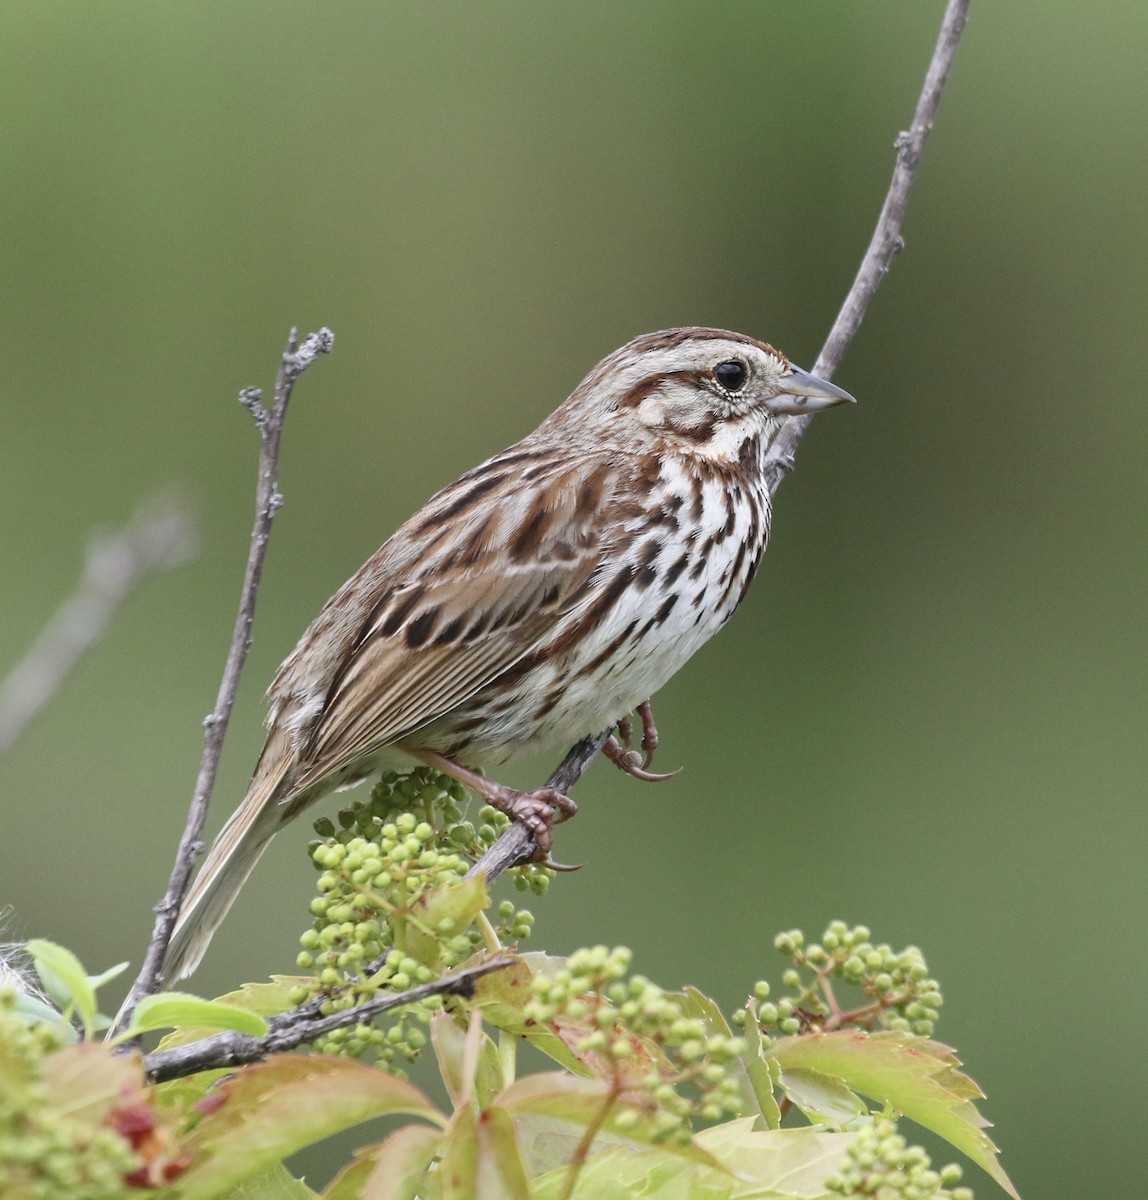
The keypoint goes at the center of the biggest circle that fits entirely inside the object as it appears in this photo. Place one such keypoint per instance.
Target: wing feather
(441, 615)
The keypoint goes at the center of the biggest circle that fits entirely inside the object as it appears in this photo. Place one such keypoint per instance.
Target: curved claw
(554, 866)
(634, 763)
(651, 776)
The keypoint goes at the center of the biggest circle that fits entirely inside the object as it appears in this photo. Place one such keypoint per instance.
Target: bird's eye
(731, 375)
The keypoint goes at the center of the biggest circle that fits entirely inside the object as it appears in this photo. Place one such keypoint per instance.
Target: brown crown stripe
(667, 339)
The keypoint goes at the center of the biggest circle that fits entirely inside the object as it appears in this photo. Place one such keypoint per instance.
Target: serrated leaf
(392, 1170)
(625, 1173)
(631, 1115)
(777, 1164)
(914, 1075)
(823, 1098)
(699, 1006)
(276, 1184)
(64, 979)
(266, 999)
(180, 1009)
(502, 996)
(461, 902)
(757, 1072)
(272, 1109)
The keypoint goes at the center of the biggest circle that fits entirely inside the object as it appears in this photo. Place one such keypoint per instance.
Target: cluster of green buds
(393, 909)
(642, 1038)
(879, 1162)
(46, 1154)
(896, 989)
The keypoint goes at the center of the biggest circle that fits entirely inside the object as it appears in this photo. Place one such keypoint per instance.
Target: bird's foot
(539, 810)
(635, 763)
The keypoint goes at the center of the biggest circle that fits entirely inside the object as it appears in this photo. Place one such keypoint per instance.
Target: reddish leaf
(277, 1107)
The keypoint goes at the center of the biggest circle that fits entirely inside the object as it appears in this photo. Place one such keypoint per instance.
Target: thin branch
(301, 1025)
(160, 534)
(517, 845)
(886, 240)
(296, 359)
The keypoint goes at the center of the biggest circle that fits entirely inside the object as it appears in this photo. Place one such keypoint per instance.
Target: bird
(537, 600)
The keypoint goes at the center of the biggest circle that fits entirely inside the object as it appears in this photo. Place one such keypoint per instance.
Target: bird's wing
(466, 589)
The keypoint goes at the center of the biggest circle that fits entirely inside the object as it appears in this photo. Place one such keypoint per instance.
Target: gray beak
(805, 393)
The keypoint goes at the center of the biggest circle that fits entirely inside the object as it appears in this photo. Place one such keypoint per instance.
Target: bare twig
(886, 240)
(159, 535)
(301, 1025)
(296, 359)
(517, 845)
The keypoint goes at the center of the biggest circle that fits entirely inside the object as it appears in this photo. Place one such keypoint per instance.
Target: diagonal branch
(293, 1029)
(296, 359)
(161, 534)
(886, 240)
(517, 844)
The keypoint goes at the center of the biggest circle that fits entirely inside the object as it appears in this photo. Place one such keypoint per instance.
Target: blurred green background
(928, 716)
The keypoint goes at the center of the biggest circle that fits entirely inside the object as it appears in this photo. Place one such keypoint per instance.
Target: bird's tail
(229, 862)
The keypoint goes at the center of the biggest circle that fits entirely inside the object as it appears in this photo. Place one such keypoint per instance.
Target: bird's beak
(805, 393)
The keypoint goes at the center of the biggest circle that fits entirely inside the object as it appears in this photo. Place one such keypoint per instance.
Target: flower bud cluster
(879, 1162)
(897, 989)
(381, 867)
(641, 1036)
(46, 1154)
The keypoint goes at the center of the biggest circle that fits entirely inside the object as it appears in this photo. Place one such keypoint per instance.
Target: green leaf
(460, 902)
(35, 1011)
(98, 981)
(181, 1009)
(481, 1159)
(265, 999)
(913, 1075)
(460, 1156)
(502, 996)
(624, 1173)
(392, 1170)
(593, 1102)
(759, 1073)
(777, 1164)
(449, 1044)
(823, 1098)
(501, 1174)
(756, 1078)
(64, 979)
(276, 1184)
(272, 1109)
(790, 1164)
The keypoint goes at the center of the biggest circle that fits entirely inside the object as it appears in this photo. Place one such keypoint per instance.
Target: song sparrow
(535, 601)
